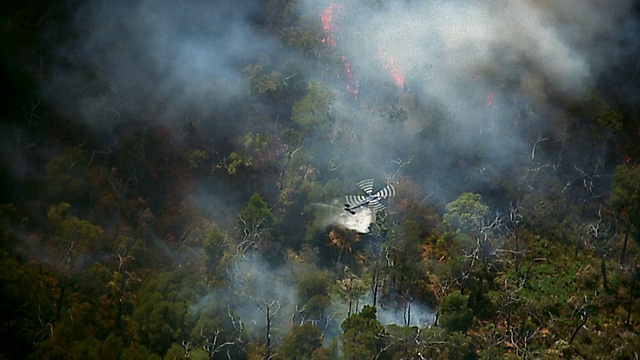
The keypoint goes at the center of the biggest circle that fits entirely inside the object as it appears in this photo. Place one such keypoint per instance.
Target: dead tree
(269, 309)
(600, 233)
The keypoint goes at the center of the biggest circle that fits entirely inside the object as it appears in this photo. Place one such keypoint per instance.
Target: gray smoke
(485, 69)
(473, 75)
(155, 61)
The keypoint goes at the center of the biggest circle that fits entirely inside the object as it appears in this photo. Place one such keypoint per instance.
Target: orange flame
(352, 86)
(327, 26)
(394, 71)
(326, 17)
(490, 97)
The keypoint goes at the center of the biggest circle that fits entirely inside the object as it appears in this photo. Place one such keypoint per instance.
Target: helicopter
(371, 200)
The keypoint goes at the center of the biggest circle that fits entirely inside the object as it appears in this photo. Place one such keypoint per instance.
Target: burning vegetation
(174, 173)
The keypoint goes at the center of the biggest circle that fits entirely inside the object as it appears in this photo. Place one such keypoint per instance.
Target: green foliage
(625, 191)
(454, 312)
(363, 336)
(162, 315)
(175, 352)
(606, 116)
(460, 346)
(262, 83)
(64, 176)
(214, 246)
(22, 291)
(269, 83)
(122, 244)
(465, 214)
(257, 142)
(314, 108)
(313, 292)
(436, 343)
(138, 352)
(235, 161)
(111, 347)
(70, 230)
(195, 158)
(401, 342)
(301, 342)
(255, 215)
(73, 241)
(352, 288)
(87, 349)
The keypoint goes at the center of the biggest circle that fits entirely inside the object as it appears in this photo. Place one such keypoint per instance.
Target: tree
(111, 347)
(459, 346)
(314, 109)
(26, 319)
(65, 178)
(127, 249)
(454, 312)
(363, 336)
(255, 221)
(214, 246)
(162, 314)
(404, 265)
(74, 242)
(473, 237)
(313, 292)
(625, 196)
(269, 309)
(301, 342)
(352, 288)
(344, 240)
(402, 342)
(465, 213)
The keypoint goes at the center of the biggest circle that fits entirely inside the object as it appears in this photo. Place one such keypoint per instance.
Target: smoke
(335, 215)
(258, 285)
(426, 83)
(564, 43)
(414, 314)
(478, 65)
(488, 68)
(155, 61)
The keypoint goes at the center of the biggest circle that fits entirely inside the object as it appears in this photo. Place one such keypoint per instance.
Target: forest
(173, 177)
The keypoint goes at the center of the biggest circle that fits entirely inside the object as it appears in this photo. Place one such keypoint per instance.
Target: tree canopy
(173, 177)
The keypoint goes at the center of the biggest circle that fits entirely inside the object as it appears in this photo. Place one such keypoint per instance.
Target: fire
(490, 97)
(394, 71)
(325, 17)
(352, 86)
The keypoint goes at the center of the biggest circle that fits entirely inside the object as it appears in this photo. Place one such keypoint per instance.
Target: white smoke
(154, 61)
(335, 215)
(480, 64)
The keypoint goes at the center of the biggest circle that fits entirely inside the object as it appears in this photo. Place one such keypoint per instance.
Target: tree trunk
(628, 322)
(603, 270)
(123, 283)
(575, 332)
(624, 243)
(408, 322)
(268, 354)
(516, 248)
(60, 299)
(374, 287)
(631, 289)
